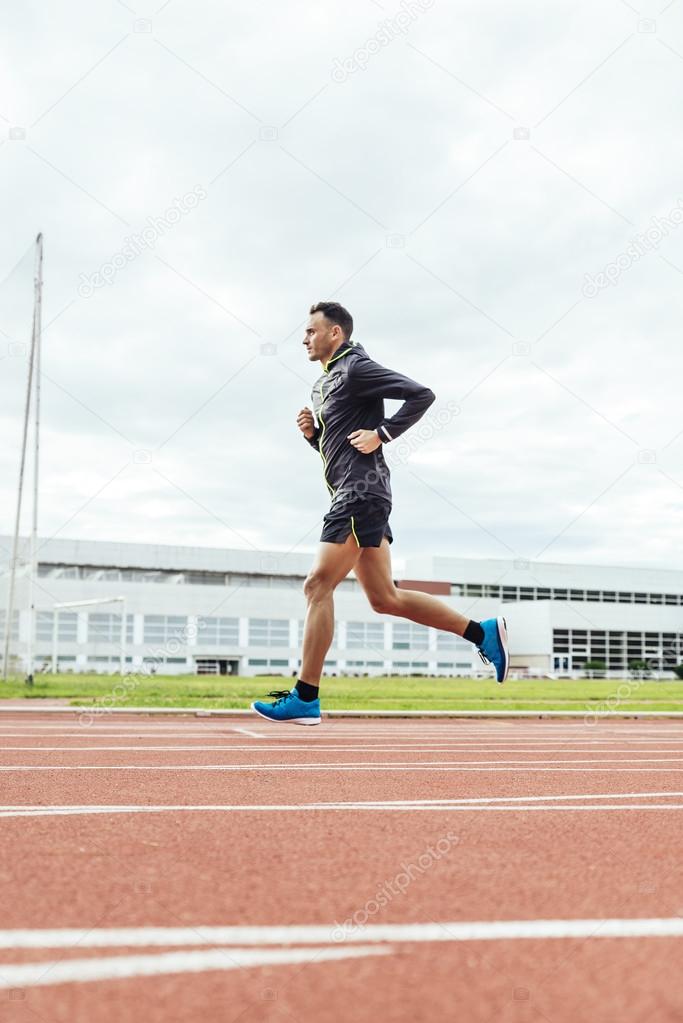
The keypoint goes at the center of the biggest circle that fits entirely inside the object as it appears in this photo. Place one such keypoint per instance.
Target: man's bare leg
(333, 563)
(373, 571)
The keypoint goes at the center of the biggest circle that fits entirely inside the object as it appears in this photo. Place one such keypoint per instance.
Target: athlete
(350, 433)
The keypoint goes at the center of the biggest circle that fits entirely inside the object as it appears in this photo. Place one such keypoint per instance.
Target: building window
(163, 628)
(67, 626)
(105, 627)
(262, 662)
(410, 636)
(217, 631)
(362, 635)
(269, 632)
(617, 649)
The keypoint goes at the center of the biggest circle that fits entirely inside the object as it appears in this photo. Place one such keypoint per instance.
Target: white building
(241, 612)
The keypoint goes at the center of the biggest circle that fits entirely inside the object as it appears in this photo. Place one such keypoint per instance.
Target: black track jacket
(350, 396)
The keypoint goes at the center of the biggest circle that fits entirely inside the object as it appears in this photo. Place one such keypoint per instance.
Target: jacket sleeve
(313, 441)
(370, 380)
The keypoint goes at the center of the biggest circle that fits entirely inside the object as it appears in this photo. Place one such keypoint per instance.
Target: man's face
(320, 337)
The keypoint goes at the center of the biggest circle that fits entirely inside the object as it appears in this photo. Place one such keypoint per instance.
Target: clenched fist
(364, 441)
(306, 422)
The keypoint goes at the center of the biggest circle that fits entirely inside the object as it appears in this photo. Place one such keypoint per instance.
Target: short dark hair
(335, 313)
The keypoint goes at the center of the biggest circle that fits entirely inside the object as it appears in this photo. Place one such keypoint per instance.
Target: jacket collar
(344, 349)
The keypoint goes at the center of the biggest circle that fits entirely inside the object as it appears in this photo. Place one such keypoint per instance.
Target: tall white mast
(33, 568)
(22, 465)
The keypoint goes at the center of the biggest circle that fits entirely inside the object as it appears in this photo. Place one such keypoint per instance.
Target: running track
(165, 868)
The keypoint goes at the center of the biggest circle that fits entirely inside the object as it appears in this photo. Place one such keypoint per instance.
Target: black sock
(306, 692)
(474, 633)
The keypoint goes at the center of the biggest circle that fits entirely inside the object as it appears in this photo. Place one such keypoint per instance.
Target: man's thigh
(334, 561)
(373, 571)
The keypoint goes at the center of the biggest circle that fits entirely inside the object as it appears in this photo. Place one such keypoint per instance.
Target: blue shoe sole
(503, 639)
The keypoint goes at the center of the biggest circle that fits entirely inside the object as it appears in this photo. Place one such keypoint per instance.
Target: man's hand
(365, 441)
(306, 423)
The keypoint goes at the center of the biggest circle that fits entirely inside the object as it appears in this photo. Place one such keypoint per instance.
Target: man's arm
(306, 424)
(368, 379)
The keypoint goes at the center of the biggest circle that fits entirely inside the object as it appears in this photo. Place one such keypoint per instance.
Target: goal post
(99, 601)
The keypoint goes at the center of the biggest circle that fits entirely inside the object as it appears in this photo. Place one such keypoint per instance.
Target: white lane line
(69, 811)
(456, 728)
(401, 765)
(247, 731)
(119, 967)
(366, 768)
(315, 934)
(365, 748)
(453, 801)
(317, 740)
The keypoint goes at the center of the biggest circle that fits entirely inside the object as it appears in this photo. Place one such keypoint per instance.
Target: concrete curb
(100, 712)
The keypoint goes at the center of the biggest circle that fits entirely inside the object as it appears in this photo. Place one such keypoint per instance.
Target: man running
(351, 430)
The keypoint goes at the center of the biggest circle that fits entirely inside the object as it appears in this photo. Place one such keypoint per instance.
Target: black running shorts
(367, 519)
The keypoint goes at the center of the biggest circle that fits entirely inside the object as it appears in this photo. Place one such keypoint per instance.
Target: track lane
(321, 867)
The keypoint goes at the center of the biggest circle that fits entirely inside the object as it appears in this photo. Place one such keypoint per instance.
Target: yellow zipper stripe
(320, 439)
(322, 421)
(335, 357)
(353, 530)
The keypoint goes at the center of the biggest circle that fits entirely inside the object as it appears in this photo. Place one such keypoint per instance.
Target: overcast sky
(474, 181)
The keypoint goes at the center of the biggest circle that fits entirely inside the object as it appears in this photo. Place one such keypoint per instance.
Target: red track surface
(567, 856)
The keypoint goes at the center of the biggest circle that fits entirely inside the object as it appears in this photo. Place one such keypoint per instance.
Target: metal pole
(17, 519)
(54, 641)
(122, 664)
(32, 571)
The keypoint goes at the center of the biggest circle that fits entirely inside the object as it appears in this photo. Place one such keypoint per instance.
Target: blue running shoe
(494, 649)
(289, 707)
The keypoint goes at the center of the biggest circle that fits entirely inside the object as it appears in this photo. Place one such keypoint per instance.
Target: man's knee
(317, 585)
(385, 602)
